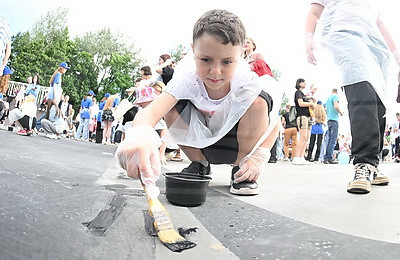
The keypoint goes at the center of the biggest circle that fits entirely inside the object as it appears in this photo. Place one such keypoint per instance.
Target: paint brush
(163, 225)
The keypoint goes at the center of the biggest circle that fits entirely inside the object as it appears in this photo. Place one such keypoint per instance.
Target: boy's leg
(194, 154)
(251, 127)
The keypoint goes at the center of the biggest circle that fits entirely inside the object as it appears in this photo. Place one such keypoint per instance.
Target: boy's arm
(158, 108)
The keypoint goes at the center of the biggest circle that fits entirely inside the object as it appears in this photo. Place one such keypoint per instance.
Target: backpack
(293, 116)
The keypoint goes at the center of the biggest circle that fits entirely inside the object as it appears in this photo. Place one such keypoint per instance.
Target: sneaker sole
(359, 189)
(380, 182)
(244, 191)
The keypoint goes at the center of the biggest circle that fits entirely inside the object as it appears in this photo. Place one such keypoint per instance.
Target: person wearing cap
(99, 127)
(55, 90)
(5, 44)
(83, 128)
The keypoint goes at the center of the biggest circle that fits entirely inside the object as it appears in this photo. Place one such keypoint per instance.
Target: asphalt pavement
(66, 199)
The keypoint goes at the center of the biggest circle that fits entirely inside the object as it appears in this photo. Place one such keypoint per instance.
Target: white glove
(310, 47)
(396, 55)
(252, 166)
(138, 154)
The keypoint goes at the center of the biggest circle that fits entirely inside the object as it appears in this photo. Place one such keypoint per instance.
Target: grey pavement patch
(106, 217)
(254, 233)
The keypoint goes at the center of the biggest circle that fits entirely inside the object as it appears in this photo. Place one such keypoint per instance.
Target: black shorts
(225, 150)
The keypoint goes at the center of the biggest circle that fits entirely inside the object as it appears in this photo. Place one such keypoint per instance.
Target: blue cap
(107, 95)
(7, 71)
(319, 102)
(91, 93)
(64, 65)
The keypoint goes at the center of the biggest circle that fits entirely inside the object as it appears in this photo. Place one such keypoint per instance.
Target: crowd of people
(223, 106)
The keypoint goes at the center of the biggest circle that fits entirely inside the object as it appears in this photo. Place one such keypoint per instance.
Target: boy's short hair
(223, 24)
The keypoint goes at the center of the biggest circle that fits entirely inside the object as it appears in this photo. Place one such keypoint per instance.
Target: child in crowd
(28, 120)
(215, 107)
(55, 125)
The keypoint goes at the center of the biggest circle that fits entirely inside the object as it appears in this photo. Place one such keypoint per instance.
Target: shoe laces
(363, 170)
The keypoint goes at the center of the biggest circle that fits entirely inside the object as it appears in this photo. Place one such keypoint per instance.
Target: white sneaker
(305, 162)
(51, 136)
(297, 161)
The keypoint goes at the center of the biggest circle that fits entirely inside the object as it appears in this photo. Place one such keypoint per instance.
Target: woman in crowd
(317, 132)
(34, 87)
(165, 68)
(108, 118)
(55, 125)
(83, 128)
(55, 90)
(289, 134)
(303, 122)
(99, 126)
(248, 48)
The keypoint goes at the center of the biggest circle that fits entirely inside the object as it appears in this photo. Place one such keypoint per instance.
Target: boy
(215, 109)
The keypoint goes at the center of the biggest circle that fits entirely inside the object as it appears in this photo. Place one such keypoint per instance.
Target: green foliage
(101, 61)
(178, 53)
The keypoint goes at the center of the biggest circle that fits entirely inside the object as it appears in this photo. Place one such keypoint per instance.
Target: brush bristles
(165, 230)
(170, 236)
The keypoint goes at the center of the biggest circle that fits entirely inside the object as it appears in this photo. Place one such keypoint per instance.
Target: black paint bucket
(188, 190)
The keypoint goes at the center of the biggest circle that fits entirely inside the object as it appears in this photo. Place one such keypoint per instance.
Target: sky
(157, 26)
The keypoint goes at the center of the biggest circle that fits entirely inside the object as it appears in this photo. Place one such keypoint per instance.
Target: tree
(178, 53)
(115, 58)
(102, 61)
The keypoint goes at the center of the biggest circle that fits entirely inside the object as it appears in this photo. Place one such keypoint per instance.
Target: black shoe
(272, 160)
(244, 188)
(197, 167)
(330, 161)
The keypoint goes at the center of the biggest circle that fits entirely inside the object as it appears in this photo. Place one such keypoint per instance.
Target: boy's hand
(252, 166)
(138, 154)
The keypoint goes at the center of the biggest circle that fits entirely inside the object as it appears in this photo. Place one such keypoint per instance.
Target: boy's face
(215, 63)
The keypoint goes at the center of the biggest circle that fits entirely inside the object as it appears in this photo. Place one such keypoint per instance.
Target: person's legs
(367, 124)
(293, 136)
(79, 130)
(319, 143)
(24, 121)
(397, 148)
(333, 128)
(304, 125)
(273, 158)
(194, 154)
(47, 127)
(85, 134)
(311, 147)
(286, 139)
